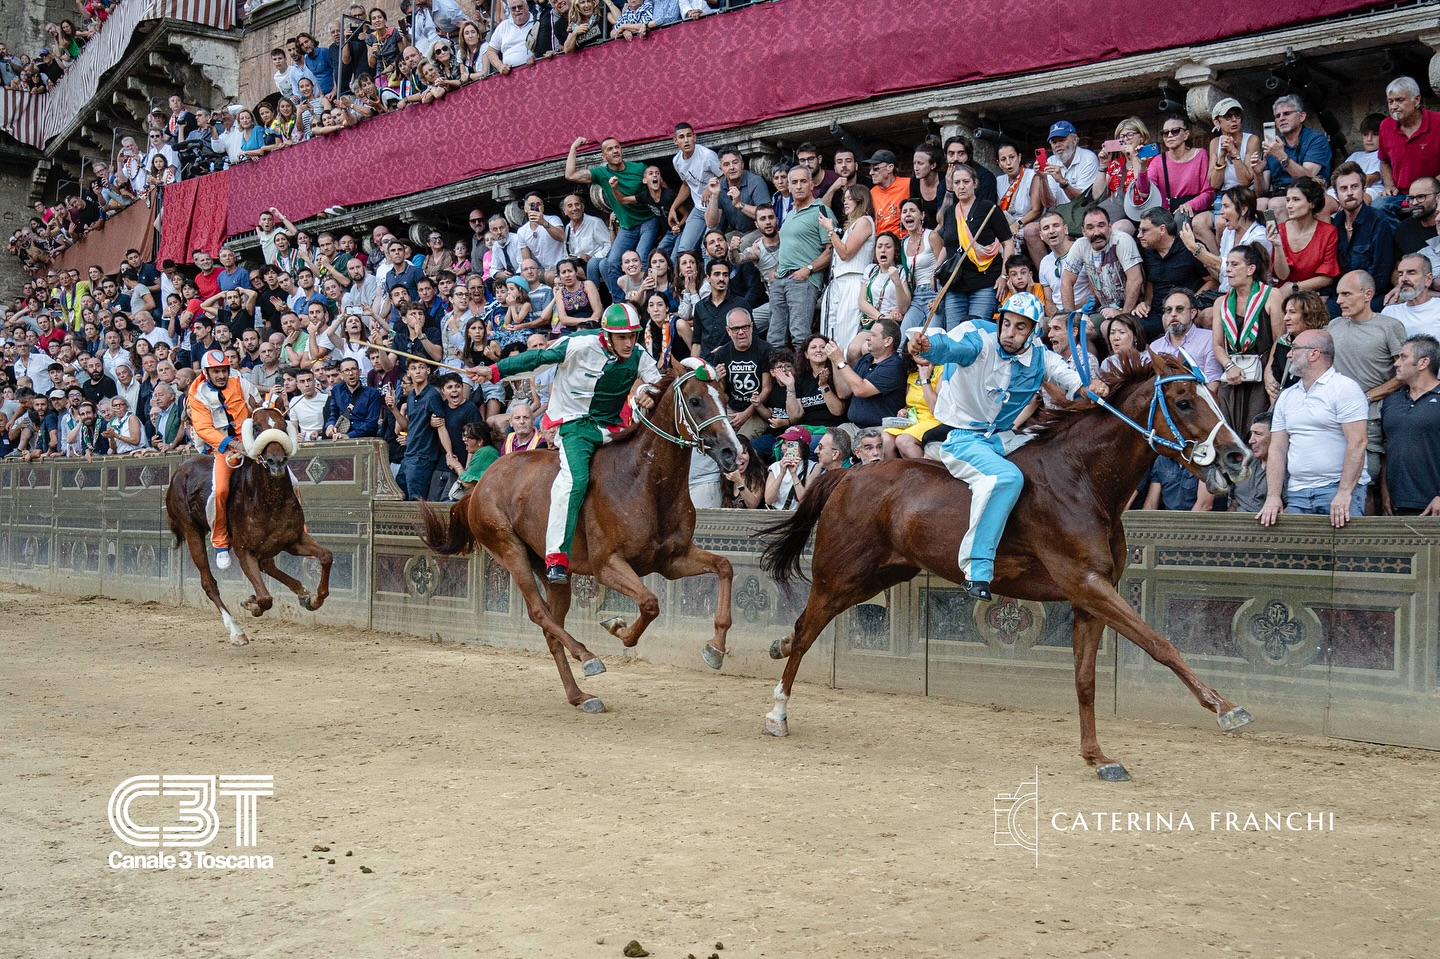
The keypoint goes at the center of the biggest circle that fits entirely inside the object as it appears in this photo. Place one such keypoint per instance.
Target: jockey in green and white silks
(595, 377)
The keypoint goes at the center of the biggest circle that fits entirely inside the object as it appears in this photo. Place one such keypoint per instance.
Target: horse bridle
(1198, 452)
(682, 415)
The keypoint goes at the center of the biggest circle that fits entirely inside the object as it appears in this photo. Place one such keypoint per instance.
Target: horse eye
(695, 402)
(1184, 406)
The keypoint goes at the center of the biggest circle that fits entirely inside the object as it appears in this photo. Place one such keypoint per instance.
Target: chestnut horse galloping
(265, 517)
(879, 525)
(637, 519)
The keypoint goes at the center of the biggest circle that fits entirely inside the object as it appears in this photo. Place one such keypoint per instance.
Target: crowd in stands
(1305, 291)
(64, 41)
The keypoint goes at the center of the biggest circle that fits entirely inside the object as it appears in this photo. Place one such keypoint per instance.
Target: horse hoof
(241, 640)
(307, 603)
(1235, 719)
(593, 667)
(714, 658)
(776, 650)
(592, 705)
(613, 625)
(1113, 773)
(777, 727)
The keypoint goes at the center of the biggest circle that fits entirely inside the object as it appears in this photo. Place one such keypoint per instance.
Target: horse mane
(662, 389)
(1133, 370)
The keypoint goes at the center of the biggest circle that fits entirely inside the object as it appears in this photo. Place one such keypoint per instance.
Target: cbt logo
(196, 822)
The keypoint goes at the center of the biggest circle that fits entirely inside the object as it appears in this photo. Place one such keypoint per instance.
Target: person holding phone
(1122, 163)
(1070, 170)
(785, 480)
(1178, 179)
(1294, 152)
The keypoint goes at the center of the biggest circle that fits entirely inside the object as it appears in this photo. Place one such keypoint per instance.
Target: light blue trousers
(995, 485)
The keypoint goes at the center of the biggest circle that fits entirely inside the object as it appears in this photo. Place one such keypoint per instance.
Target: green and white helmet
(618, 318)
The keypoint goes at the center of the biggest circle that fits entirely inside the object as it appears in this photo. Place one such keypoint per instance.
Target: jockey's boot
(979, 589)
(557, 568)
(222, 557)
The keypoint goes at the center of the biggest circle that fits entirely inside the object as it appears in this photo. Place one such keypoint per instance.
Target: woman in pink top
(1179, 178)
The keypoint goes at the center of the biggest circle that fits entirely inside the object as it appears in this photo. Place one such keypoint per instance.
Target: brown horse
(637, 519)
(264, 514)
(880, 525)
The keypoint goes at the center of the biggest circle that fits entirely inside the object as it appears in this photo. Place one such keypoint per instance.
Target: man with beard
(1416, 305)
(1178, 313)
(764, 253)
(1417, 233)
(1367, 239)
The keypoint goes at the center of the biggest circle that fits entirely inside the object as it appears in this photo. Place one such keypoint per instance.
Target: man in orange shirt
(888, 192)
(219, 406)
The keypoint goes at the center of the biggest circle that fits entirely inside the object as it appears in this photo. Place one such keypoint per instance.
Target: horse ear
(676, 367)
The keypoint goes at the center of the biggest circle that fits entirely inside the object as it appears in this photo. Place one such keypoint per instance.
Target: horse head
(1203, 442)
(268, 438)
(700, 414)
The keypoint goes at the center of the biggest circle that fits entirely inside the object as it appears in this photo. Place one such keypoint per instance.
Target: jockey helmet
(618, 318)
(1024, 305)
(214, 359)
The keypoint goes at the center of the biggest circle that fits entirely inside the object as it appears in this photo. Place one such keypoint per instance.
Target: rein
(682, 415)
(1199, 452)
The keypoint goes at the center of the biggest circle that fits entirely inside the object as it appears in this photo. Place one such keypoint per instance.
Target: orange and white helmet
(214, 359)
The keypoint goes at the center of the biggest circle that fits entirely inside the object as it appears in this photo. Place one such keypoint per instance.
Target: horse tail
(787, 539)
(455, 540)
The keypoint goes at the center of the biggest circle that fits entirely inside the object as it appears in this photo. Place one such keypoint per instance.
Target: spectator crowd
(1304, 289)
(63, 43)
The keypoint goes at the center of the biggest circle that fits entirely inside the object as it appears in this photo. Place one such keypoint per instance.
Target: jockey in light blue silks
(994, 375)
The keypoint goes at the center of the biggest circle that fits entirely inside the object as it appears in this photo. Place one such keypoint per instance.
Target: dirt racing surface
(492, 819)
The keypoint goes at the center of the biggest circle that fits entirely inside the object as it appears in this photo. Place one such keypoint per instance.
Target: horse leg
(557, 597)
(1097, 597)
(250, 566)
(200, 556)
(268, 567)
(695, 563)
(513, 554)
(308, 547)
(617, 574)
(829, 597)
(1085, 639)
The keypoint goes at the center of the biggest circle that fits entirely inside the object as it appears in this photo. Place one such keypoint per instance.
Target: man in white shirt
(542, 235)
(1072, 170)
(696, 165)
(307, 411)
(145, 324)
(1056, 237)
(1317, 439)
(1110, 260)
(506, 250)
(432, 19)
(509, 45)
(1415, 304)
(281, 76)
(586, 236)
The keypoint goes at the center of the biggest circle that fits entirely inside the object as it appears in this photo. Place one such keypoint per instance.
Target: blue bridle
(1199, 452)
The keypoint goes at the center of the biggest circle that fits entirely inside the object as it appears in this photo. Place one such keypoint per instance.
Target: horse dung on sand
(881, 524)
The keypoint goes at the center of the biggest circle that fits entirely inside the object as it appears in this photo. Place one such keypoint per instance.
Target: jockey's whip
(940, 297)
(423, 359)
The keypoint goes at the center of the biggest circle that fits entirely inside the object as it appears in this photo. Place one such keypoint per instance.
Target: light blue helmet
(1027, 305)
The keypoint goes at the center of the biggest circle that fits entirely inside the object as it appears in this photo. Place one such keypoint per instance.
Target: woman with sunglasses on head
(1178, 179)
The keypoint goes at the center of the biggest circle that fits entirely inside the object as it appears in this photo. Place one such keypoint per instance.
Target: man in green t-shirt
(800, 272)
(638, 227)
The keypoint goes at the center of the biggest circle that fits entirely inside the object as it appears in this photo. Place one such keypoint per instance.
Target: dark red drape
(768, 60)
(195, 216)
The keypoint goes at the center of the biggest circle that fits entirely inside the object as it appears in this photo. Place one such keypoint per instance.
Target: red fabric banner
(194, 217)
(769, 60)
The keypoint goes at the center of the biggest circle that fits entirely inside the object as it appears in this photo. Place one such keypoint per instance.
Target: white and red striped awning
(36, 118)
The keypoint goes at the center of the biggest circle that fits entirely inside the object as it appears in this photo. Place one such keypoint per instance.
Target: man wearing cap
(996, 374)
(1072, 170)
(219, 405)
(888, 192)
(595, 374)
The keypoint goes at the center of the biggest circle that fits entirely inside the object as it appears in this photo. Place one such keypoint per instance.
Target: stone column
(954, 122)
(1201, 92)
(1432, 40)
